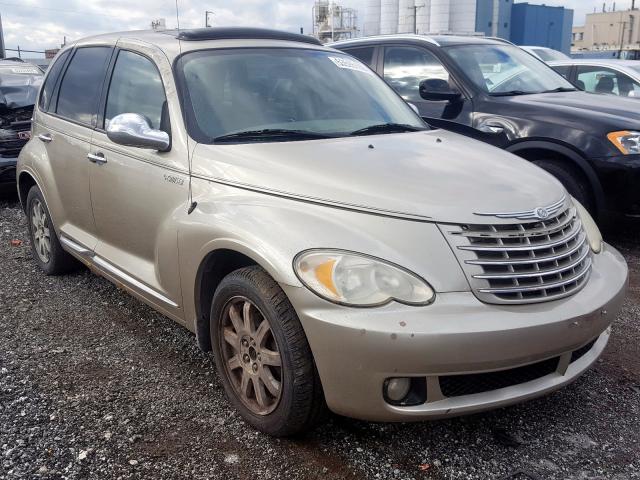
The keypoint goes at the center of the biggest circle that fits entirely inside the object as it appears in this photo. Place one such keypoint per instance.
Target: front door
(137, 193)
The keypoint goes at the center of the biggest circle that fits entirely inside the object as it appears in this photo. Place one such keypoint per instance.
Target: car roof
(602, 62)
(173, 42)
(437, 40)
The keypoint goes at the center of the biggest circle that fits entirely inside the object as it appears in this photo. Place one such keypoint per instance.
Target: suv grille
(525, 262)
(14, 123)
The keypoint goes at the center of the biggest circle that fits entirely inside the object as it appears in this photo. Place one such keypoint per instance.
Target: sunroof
(228, 33)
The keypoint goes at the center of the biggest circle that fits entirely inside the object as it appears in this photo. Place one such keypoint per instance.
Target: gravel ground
(94, 384)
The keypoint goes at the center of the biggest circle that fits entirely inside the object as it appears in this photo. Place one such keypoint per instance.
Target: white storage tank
(423, 16)
(389, 16)
(439, 20)
(463, 16)
(406, 16)
(371, 24)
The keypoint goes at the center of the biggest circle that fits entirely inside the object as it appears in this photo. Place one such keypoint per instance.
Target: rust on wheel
(251, 356)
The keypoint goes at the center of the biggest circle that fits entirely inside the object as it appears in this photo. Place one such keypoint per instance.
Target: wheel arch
(532, 150)
(215, 265)
(26, 181)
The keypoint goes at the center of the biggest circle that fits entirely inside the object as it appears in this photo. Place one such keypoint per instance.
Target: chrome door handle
(45, 137)
(98, 158)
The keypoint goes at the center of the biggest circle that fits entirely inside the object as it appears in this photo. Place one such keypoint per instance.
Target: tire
(572, 179)
(56, 261)
(298, 405)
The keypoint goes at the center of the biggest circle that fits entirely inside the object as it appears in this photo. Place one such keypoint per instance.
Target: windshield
(549, 55)
(506, 69)
(269, 91)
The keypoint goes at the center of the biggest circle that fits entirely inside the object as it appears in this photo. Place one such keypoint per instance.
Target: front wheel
(572, 180)
(262, 354)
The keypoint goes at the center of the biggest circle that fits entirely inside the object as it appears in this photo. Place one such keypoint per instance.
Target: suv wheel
(45, 246)
(572, 179)
(262, 354)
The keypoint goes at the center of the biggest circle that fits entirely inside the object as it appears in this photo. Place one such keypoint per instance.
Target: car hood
(432, 175)
(618, 112)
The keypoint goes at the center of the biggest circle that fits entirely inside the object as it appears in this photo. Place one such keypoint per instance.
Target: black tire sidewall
(234, 286)
(59, 260)
(572, 181)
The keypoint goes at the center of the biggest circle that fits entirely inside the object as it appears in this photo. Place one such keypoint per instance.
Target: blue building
(493, 18)
(541, 25)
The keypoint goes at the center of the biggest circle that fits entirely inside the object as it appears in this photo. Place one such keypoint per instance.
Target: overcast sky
(39, 24)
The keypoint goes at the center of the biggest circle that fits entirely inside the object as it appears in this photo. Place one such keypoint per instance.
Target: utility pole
(206, 18)
(3, 54)
(415, 17)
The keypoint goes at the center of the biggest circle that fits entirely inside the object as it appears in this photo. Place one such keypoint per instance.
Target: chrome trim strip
(539, 273)
(132, 281)
(526, 248)
(528, 260)
(527, 214)
(546, 286)
(547, 230)
(76, 247)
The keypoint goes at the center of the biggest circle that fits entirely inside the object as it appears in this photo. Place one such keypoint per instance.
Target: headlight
(359, 280)
(627, 142)
(591, 229)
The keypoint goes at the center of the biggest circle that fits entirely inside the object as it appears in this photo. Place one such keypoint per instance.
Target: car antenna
(192, 204)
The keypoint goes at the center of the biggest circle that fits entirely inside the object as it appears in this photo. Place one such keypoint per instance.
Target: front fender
(272, 230)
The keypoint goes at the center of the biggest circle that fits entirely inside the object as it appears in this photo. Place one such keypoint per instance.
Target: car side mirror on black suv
(436, 89)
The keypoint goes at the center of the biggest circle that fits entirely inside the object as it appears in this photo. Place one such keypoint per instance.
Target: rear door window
(82, 84)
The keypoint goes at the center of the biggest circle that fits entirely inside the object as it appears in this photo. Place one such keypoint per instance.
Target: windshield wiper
(386, 128)
(270, 133)
(560, 89)
(511, 93)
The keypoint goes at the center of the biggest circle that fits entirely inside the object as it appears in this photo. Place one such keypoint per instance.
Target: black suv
(494, 91)
(19, 85)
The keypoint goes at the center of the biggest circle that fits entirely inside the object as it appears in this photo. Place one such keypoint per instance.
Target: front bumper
(356, 350)
(620, 177)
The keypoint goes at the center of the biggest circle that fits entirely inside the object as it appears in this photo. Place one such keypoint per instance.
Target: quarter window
(365, 55)
(81, 84)
(136, 87)
(50, 82)
(406, 67)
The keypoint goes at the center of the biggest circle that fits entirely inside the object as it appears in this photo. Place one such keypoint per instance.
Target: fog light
(398, 388)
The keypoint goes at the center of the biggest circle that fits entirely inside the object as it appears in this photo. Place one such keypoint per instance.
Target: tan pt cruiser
(278, 199)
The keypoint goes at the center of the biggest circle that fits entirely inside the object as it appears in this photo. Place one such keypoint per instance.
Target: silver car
(604, 76)
(278, 199)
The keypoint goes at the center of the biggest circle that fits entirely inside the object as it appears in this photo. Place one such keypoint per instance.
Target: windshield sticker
(350, 64)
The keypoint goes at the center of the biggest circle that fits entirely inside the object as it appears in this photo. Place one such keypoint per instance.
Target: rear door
(65, 128)
(137, 193)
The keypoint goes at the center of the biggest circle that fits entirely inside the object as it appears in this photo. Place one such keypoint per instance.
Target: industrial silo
(423, 16)
(462, 18)
(372, 18)
(406, 16)
(439, 20)
(389, 16)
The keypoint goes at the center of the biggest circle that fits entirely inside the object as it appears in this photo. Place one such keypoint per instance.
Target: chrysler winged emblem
(538, 213)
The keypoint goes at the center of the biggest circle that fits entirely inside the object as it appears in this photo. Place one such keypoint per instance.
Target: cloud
(40, 24)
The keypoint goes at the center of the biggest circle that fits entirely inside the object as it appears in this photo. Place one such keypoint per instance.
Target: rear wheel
(262, 354)
(45, 246)
(572, 179)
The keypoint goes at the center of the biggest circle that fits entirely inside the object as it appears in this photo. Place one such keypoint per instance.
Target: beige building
(608, 31)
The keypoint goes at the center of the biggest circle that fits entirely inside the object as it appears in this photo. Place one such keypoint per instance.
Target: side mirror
(133, 130)
(436, 89)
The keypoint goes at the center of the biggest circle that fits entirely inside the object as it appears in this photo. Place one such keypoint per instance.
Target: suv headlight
(627, 142)
(591, 229)
(359, 280)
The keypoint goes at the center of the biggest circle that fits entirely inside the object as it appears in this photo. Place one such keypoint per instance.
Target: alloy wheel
(40, 231)
(251, 356)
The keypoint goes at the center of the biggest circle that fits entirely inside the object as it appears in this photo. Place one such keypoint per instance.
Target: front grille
(459, 385)
(523, 262)
(12, 123)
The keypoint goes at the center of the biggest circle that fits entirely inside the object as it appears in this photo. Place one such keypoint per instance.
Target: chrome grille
(524, 262)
